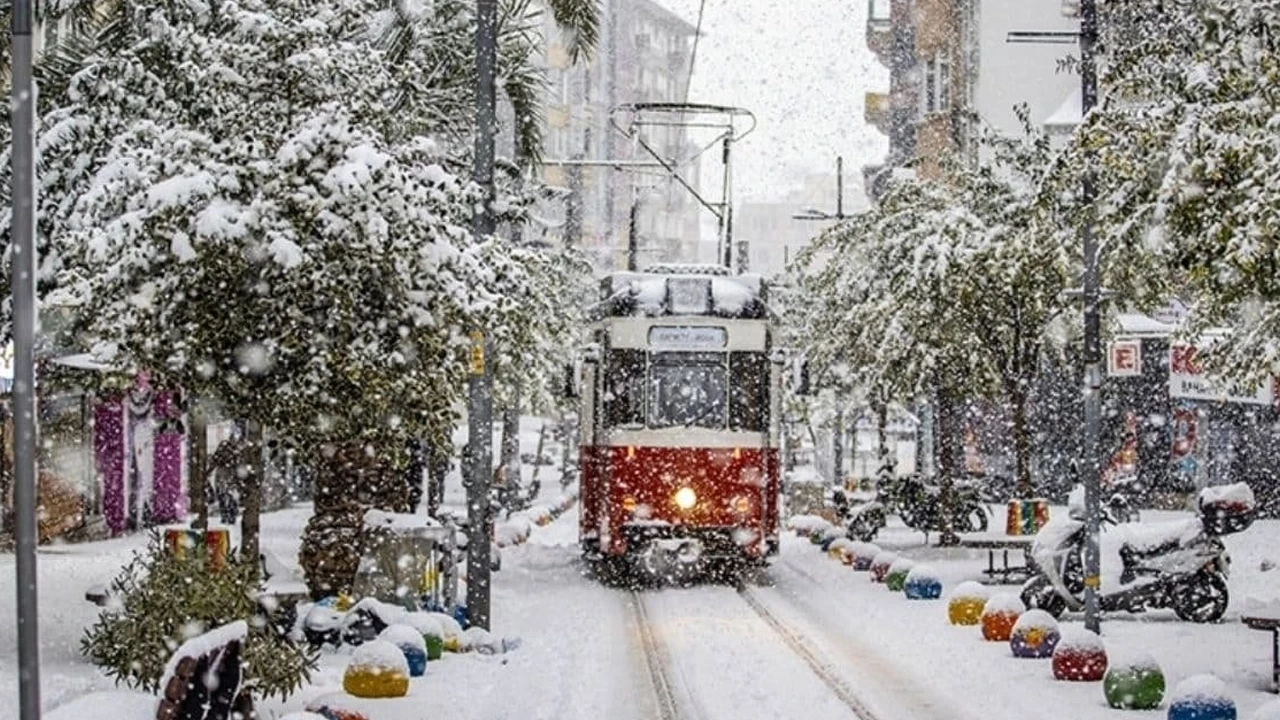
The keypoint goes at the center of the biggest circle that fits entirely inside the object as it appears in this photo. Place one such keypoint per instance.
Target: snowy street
(808, 638)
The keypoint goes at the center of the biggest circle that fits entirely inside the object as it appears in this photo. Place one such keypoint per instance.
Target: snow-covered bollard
(804, 525)
(999, 614)
(841, 549)
(1201, 697)
(896, 578)
(863, 554)
(1034, 635)
(880, 565)
(966, 603)
(923, 583)
(1080, 656)
(1135, 683)
(377, 670)
(411, 643)
(1270, 711)
(430, 629)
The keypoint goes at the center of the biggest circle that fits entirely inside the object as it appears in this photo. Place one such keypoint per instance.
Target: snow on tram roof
(684, 290)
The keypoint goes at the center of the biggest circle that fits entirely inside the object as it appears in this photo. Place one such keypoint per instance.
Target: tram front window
(688, 390)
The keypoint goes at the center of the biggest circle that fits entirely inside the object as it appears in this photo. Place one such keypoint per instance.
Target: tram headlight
(685, 498)
(629, 504)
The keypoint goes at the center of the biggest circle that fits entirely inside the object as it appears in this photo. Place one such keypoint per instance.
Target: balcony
(875, 111)
(880, 29)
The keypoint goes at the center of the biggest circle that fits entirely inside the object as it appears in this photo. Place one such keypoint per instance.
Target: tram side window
(748, 395)
(624, 388)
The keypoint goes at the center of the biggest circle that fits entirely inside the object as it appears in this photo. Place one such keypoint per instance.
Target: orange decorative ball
(999, 615)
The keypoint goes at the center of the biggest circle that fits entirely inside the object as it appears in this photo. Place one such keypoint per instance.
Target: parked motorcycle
(1179, 565)
(919, 504)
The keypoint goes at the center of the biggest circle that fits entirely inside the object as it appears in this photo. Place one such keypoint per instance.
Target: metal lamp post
(23, 274)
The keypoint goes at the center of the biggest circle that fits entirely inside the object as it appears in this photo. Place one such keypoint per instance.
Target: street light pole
(480, 390)
(23, 274)
(1092, 297)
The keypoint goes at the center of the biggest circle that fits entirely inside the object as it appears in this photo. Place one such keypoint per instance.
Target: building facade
(644, 56)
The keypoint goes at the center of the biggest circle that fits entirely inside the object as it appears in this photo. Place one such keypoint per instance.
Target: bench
(1272, 625)
(1005, 574)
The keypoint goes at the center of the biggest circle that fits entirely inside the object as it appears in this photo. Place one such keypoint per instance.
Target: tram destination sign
(668, 337)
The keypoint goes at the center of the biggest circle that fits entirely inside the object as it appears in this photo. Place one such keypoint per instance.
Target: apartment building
(644, 56)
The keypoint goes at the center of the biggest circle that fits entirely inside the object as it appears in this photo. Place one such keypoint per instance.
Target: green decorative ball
(1134, 685)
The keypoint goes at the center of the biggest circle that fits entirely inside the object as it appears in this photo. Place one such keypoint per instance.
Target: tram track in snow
(794, 641)
(656, 661)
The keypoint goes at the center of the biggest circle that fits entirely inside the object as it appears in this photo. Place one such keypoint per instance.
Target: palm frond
(580, 22)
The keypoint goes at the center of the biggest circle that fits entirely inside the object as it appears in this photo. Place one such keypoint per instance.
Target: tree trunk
(1022, 442)
(251, 494)
(883, 461)
(948, 465)
(510, 454)
(198, 465)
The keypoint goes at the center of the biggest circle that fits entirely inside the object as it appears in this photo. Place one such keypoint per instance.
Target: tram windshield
(688, 389)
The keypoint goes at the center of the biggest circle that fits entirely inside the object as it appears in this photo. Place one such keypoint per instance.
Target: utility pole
(633, 233)
(480, 386)
(1092, 297)
(23, 275)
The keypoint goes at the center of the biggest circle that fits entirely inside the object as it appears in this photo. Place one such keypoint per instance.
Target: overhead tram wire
(693, 55)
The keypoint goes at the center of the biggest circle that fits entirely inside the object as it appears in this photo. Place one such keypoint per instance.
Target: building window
(936, 90)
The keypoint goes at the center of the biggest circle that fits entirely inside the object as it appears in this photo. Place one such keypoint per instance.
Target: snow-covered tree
(950, 286)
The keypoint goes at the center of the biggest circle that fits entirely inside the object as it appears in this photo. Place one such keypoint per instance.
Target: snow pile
(202, 645)
(971, 590)
(901, 566)
(379, 656)
(1004, 603)
(865, 549)
(922, 573)
(403, 636)
(515, 531)
(481, 641)
(386, 613)
(1034, 620)
(1149, 536)
(1200, 689)
(425, 624)
(807, 524)
(1237, 496)
(375, 518)
(448, 625)
(1077, 638)
(304, 715)
(842, 544)
(1138, 660)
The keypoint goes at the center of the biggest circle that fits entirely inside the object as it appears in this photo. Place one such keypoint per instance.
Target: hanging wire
(693, 56)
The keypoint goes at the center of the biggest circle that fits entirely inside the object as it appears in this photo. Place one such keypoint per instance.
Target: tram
(680, 421)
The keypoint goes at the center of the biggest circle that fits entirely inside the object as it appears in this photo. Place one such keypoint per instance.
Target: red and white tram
(680, 431)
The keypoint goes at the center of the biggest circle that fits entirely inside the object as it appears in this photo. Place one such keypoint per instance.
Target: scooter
(1180, 565)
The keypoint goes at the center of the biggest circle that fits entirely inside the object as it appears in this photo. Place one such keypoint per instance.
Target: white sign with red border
(1124, 358)
(1187, 380)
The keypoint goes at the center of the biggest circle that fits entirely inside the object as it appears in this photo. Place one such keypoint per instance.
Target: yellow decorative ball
(966, 603)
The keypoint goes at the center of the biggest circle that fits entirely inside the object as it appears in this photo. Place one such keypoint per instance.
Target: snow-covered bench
(1264, 614)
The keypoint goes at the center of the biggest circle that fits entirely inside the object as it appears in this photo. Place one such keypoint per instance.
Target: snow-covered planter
(863, 554)
(1134, 683)
(896, 578)
(966, 603)
(880, 565)
(923, 583)
(1034, 635)
(411, 643)
(1080, 656)
(999, 614)
(805, 525)
(378, 669)
(1201, 697)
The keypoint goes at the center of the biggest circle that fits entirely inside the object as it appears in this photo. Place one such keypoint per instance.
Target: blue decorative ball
(1201, 709)
(417, 659)
(922, 584)
(461, 615)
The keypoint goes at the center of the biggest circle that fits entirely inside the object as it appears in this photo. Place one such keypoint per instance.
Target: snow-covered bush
(162, 600)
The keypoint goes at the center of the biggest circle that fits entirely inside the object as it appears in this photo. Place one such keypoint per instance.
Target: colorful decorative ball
(999, 614)
(1080, 656)
(880, 566)
(462, 616)
(1135, 684)
(896, 578)
(1201, 697)
(966, 602)
(923, 584)
(863, 554)
(816, 536)
(331, 707)
(411, 643)
(840, 549)
(1034, 635)
(378, 669)
(1270, 711)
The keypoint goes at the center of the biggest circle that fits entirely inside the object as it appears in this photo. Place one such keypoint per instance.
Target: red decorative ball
(1079, 656)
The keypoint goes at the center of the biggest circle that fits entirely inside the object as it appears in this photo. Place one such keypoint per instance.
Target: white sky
(802, 66)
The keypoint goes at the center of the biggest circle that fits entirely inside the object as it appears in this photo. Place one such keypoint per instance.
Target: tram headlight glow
(685, 498)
